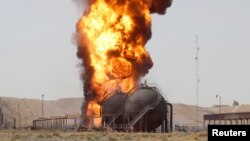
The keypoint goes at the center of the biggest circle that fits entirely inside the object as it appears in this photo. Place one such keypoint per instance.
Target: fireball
(111, 37)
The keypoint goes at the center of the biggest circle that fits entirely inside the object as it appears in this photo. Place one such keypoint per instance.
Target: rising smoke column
(111, 36)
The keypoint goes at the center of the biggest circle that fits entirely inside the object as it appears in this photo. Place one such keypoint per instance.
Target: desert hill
(31, 109)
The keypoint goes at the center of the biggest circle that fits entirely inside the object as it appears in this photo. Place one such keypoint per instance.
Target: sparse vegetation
(56, 134)
(98, 136)
(40, 136)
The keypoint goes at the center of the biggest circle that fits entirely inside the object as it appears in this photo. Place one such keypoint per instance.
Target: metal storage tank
(141, 109)
(145, 109)
(112, 108)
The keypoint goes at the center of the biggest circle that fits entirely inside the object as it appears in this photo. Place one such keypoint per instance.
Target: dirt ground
(10, 135)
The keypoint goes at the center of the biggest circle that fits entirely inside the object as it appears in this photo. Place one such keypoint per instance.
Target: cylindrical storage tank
(141, 98)
(112, 106)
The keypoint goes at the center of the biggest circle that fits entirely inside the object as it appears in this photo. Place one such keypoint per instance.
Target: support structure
(171, 118)
(227, 119)
(67, 122)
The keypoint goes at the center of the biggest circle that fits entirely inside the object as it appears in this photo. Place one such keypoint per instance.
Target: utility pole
(197, 79)
(42, 109)
(19, 116)
(220, 103)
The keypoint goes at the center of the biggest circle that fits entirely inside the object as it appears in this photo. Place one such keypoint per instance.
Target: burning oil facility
(111, 37)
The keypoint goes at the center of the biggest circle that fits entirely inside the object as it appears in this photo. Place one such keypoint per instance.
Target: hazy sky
(37, 55)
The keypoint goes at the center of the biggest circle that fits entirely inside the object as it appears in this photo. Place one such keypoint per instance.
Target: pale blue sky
(37, 56)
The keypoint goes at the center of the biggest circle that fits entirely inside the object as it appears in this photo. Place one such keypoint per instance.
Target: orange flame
(111, 36)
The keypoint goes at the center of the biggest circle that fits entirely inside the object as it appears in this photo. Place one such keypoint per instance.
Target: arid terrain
(31, 109)
(98, 136)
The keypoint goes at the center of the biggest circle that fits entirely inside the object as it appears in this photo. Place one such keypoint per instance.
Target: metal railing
(144, 111)
(189, 128)
(115, 116)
